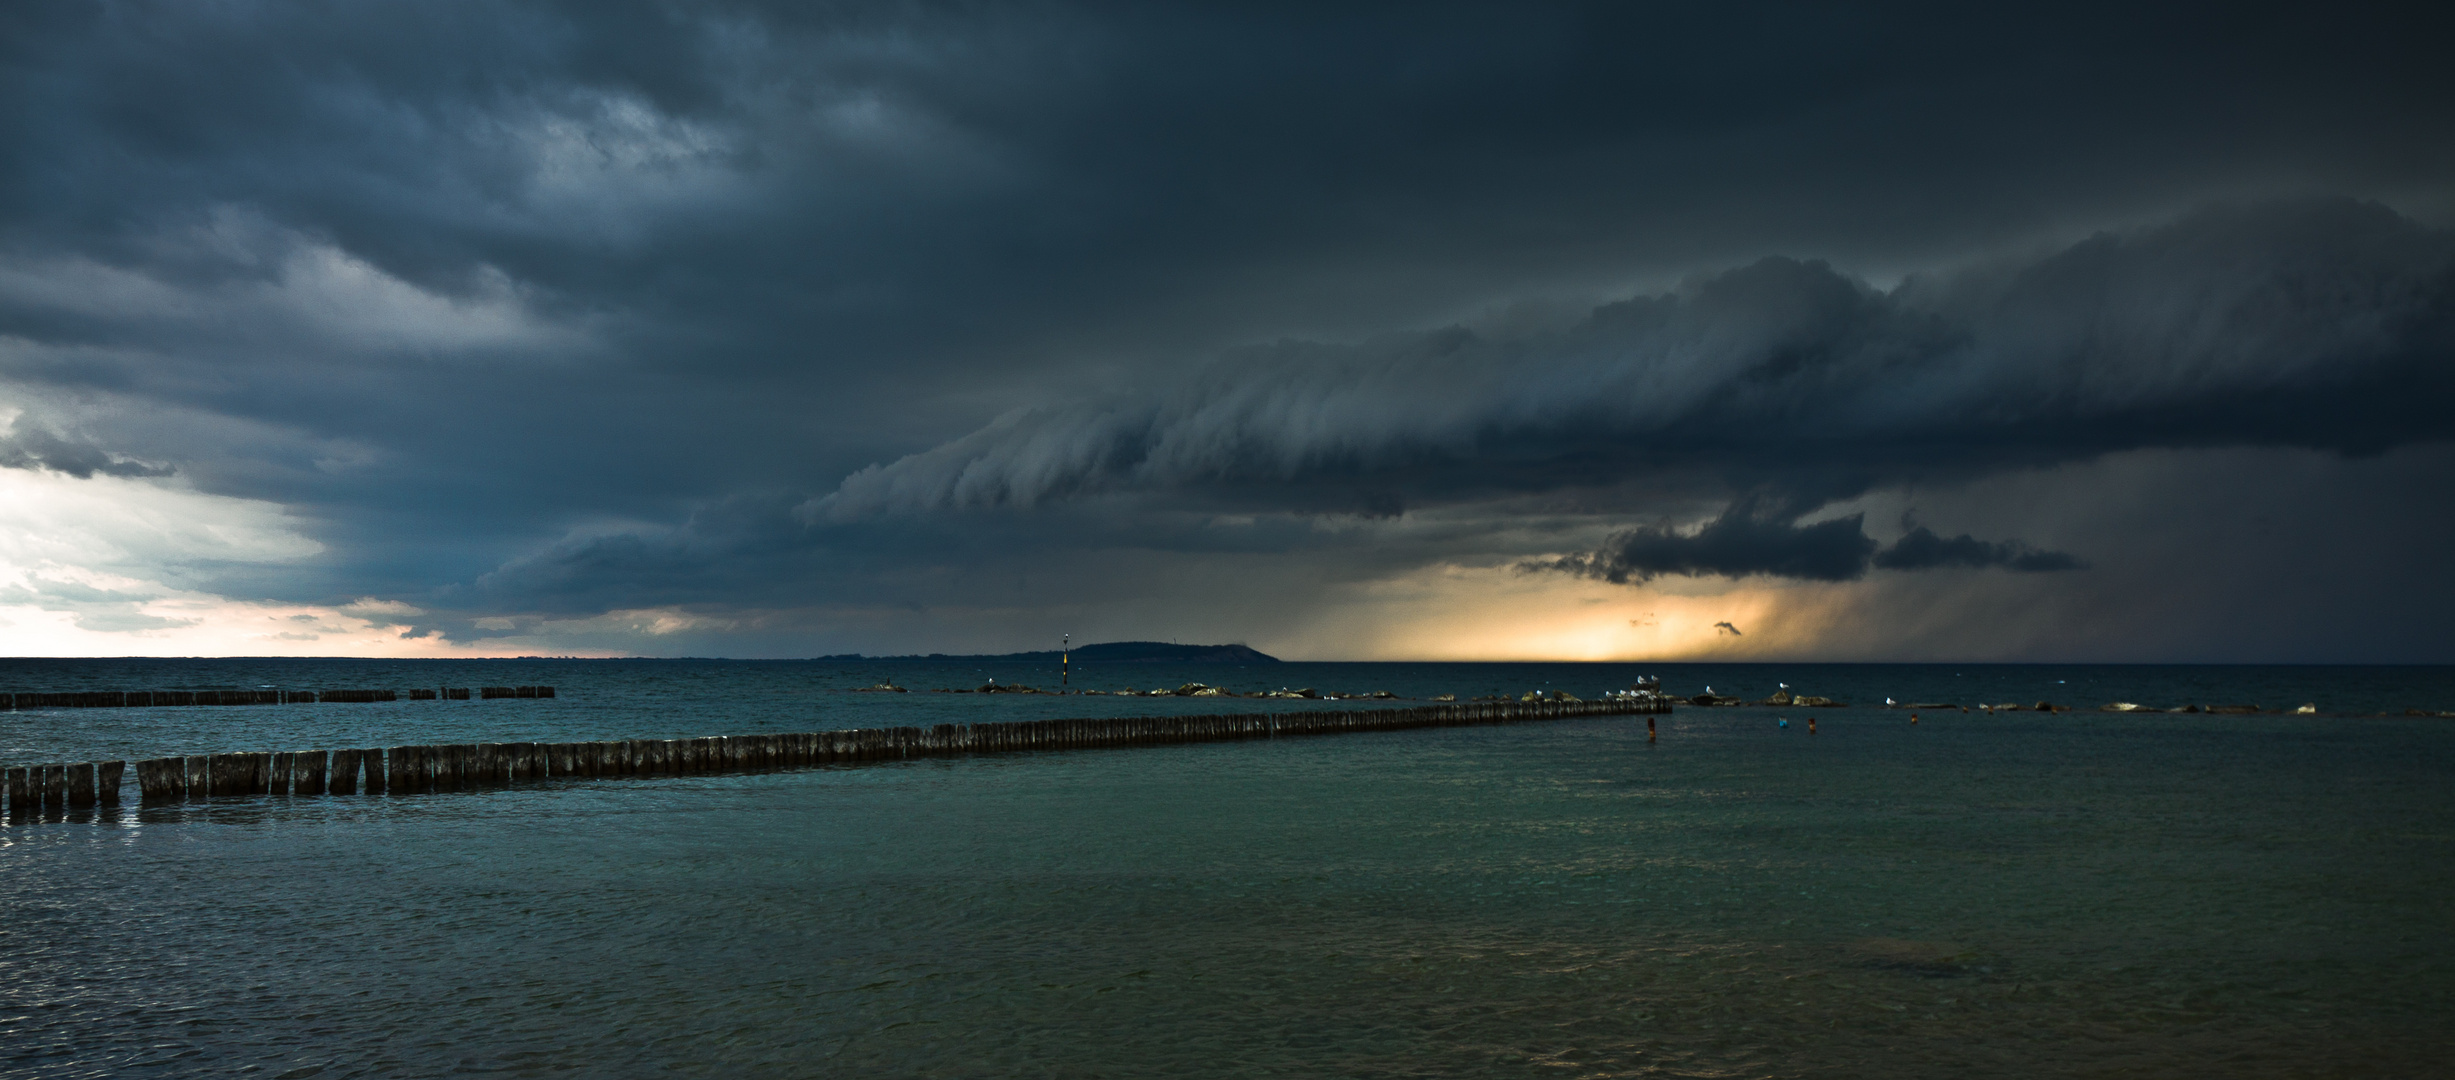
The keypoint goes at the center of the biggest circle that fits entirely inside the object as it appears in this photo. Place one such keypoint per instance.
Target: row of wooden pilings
(402, 770)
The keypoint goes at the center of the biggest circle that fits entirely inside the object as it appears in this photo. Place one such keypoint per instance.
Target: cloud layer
(765, 328)
(2325, 324)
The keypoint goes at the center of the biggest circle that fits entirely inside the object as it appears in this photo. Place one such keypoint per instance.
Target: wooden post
(20, 790)
(341, 776)
(259, 774)
(106, 781)
(281, 773)
(406, 770)
(307, 772)
(452, 766)
(80, 785)
(401, 775)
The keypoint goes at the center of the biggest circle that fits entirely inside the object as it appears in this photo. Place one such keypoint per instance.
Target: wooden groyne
(137, 699)
(403, 770)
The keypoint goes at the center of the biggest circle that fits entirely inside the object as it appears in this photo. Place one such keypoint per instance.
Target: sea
(1980, 893)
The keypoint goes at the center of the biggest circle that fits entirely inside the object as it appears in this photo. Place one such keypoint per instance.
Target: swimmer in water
(1649, 729)
(1913, 718)
(1811, 725)
(1785, 723)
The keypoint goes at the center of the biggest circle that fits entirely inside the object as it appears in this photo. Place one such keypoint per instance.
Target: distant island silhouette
(1111, 652)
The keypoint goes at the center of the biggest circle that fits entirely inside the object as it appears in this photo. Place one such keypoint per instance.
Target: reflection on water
(2071, 895)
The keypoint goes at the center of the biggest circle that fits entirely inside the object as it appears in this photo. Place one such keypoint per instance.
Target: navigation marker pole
(1065, 660)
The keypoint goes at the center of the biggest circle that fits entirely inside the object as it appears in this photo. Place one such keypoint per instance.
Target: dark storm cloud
(1736, 544)
(1752, 538)
(558, 304)
(1921, 549)
(2321, 324)
(26, 447)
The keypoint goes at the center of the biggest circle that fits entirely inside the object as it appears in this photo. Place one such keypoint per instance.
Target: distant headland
(1112, 652)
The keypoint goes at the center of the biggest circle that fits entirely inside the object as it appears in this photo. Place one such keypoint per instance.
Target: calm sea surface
(2071, 894)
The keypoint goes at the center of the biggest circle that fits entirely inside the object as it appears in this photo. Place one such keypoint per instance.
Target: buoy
(1785, 723)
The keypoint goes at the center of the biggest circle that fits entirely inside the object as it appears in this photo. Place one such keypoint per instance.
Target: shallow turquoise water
(2064, 895)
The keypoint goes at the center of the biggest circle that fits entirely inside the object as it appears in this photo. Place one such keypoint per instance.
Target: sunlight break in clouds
(115, 567)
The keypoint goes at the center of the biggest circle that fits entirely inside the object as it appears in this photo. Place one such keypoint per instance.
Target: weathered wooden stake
(307, 768)
(77, 785)
(399, 778)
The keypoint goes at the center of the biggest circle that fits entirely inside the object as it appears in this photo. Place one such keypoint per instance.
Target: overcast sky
(2094, 332)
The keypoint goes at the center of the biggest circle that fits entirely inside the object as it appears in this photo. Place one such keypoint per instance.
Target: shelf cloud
(2324, 324)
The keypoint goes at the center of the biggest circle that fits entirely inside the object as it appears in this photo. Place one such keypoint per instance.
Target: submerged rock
(1934, 958)
(1008, 688)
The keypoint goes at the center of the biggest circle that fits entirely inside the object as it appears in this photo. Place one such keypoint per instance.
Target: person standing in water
(1811, 725)
(1649, 729)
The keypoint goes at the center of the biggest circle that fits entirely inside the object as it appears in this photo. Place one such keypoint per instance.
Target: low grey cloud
(2326, 324)
(1921, 549)
(89, 607)
(1756, 538)
(1739, 543)
(27, 447)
